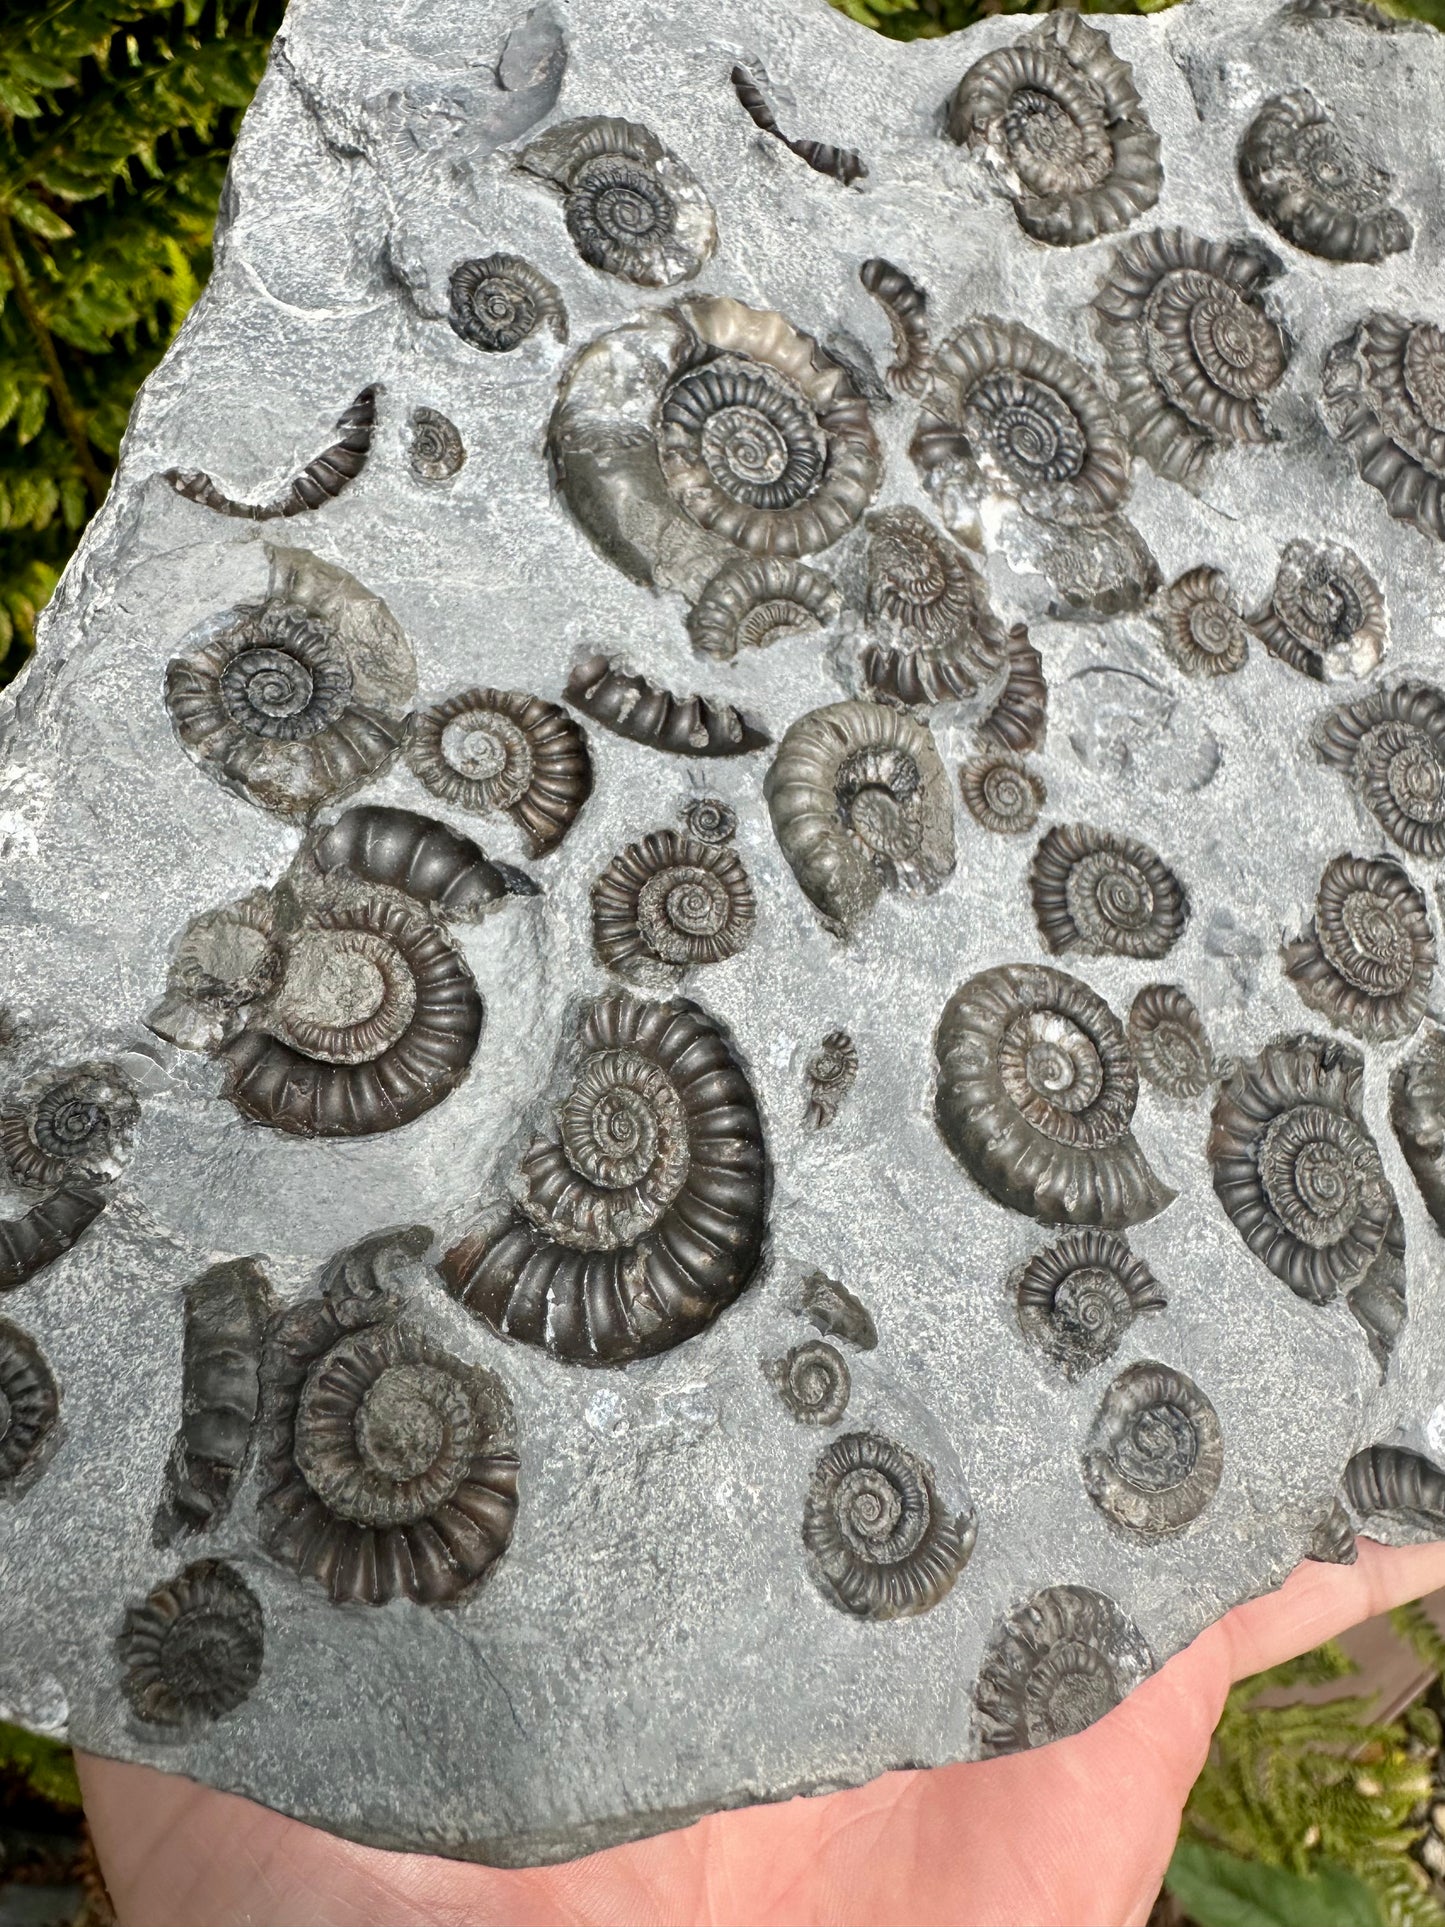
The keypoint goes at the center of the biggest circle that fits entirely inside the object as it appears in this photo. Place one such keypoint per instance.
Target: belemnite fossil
(722, 1063)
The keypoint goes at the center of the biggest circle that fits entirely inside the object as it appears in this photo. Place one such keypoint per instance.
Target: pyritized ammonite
(498, 301)
(755, 601)
(1155, 1452)
(880, 1541)
(69, 1126)
(906, 306)
(1204, 628)
(437, 451)
(1078, 1297)
(828, 1077)
(1036, 1094)
(643, 1214)
(29, 1406)
(502, 751)
(192, 1652)
(1326, 614)
(1402, 1488)
(1018, 719)
(1002, 792)
(707, 819)
(812, 1381)
(1383, 396)
(1192, 352)
(937, 640)
(1053, 1666)
(1390, 746)
(1061, 122)
(1105, 895)
(1367, 958)
(667, 903)
(1316, 185)
(46, 1231)
(1168, 1039)
(632, 208)
(1417, 1113)
(643, 712)
(321, 480)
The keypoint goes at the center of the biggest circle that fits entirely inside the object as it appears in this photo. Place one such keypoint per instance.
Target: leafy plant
(1218, 1889)
(42, 1767)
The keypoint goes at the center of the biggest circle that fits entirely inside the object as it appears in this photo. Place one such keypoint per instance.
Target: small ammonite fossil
(29, 1407)
(707, 819)
(1097, 569)
(634, 707)
(320, 482)
(1053, 1666)
(1036, 1094)
(880, 1542)
(1061, 123)
(1332, 1543)
(192, 1652)
(436, 452)
(1155, 1452)
(1383, 395)
(859, 801)
(1078, 1297)
(1105, 895)
(1317, 185)
(1296, 1169)
(1019, 717)
(1168, 1039)
(906, 306)
(498, 302)
(757, 600)
(668, 903)
(70, 1126)
(1002, 792)
(1326, 614)
(1417, 1114)
(828, 1077)
(833, 1310)
(644, 1214)
(504, 752)
(1011, 414)
(1401, 1488)
(47, 1231)
(812, 1381)
(839, 163)
(935, 637)
(1391, 747)
(1204, 628)
(1367, 958)
(631, 207)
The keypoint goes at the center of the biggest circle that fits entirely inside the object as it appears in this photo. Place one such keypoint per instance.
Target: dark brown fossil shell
(1190, 348)
(226, 1310)
(501, 751)
(1168, 1039)
(1383, 396)
(940, 640)
(1367, 958)
(1078, 1297)
(812, 1381)
(667, 903)
(1392, 1483)
(839, 163)
(1060, 121)
(1054, 1665)
(880, 1543)
(757, 600)
(1155, 1452)
(1105, 895)
(1332, 1543)
(906, 306)
(437, 451)
(497, 302)
(318, 483)
(1036, 1094)
(1002, 792)
(1317, 185)
(1204, 629)
(46, 1231)
(833, 1310)
(420, 857)
(71, 1126)
(192, 1652)
(646, 1214)
(29, 1406)
(1019, 718)
(707, 819)
(1417, 1113)
(633, 707)
(1326, 615)
(829, 1075)
(632, 208)
(1391, 747)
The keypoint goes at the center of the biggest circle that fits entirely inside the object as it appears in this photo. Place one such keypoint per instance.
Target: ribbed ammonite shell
(29, 1406)
(1417, 1113)
(1105, 895)
(812, 1381)
(504, 752)
(1204, 628)
(1326, 614)
(880, 1542)
(828, 1076)
(632, 208)
(758, 600)
(1392, 1483)
(498, 301)
(906, 306)
(1367, 959)
(1167, 1037)
(1316, 184)
(1053, 1666)
(1078, 1297)
(939, 639)
(1002, 793)
(668, 903)
(1384, 397)
(437, 451)
(69, 1126)
(192, 1652)
(1390, 746)
(1155, 1453)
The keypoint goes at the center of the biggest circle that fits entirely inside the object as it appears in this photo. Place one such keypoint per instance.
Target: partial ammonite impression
(812, 1381)
(631, 207)
(1059, 119)
(1204, 628)
(1390, 745)
(634, 707)
(47, 1231)
(1104, 895)
(1053, 1666)
(880, 1542)
(1155, 1452)
(758, 600)
(838, 163)
(1326, 614)
(1036, 1095)
(906, 306)
(1167, 1036)
(644, 1213)
(828, 1077)
(936, 638)
(1317, 185)
(1078, 1297)
(319, 482)
(29, 1407)
(1383, 396)
(192, 1652)
(436, 451)
(668, 903)
(499, 751)
(1367, 958)
(1417, 1113)
(499, 301)
(1018, 719)
(1402, 1490)
(70, 1126)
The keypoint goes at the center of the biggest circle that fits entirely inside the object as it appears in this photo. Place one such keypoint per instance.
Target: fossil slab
(719, 910)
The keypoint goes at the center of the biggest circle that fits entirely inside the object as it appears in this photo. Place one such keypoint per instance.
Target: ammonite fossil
(860, 803)
(1053, 1666)
(1060, 121)
(71, 1126)
(226, 960)
(880, 1542)
(1167, 1037)
(29, 1406)
(1036, 1094)
(1010, 413)
(1204, 628)
(707, 819)
(1155, 1452)
(317, 484)
(906, 306)
(840, 163)
(501, 751)
(46, 1231)
(1192, 352)
(419, 857)
(1317, 185)
(1332, 1543)
(1105, 895)
(812, 1381)
(631, 207)
(192, 1652)
(1391, 747)
(501, 300)
(936, 638)
(1019, 717)
(646, 1214)
(1078, 1297)
(1417, 1113)
(757, 600)
(1326, 615)
(1400, 1487)
(1097, 569)
(1296, 1169)
(828, 1076)
(1383, 396)
(668, 903)
(226, 1310)
(1002, 792)
(436, 451)
(638, 709)
(834, 1310)
(1367, 958)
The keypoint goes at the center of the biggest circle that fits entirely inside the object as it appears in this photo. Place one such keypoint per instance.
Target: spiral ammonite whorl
(1078, 1297)
(29, 1406)
(1367, 958)
(192, 1652)
(880, 1542)
(1054, 1665)
(1155, 1453)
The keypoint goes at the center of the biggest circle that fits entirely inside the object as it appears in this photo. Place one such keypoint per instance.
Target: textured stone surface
(668, 1620)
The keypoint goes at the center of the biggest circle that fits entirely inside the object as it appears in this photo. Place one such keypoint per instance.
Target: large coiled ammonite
(1053, 1666)
(1316, 184)
(1367, 958)
(880, 1542)
(1384, 398)
(1155, 1453)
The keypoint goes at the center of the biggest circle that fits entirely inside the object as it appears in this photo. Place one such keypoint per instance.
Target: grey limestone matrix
(719, 910)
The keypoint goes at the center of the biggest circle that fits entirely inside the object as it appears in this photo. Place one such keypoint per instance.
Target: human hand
(1080, 1831)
